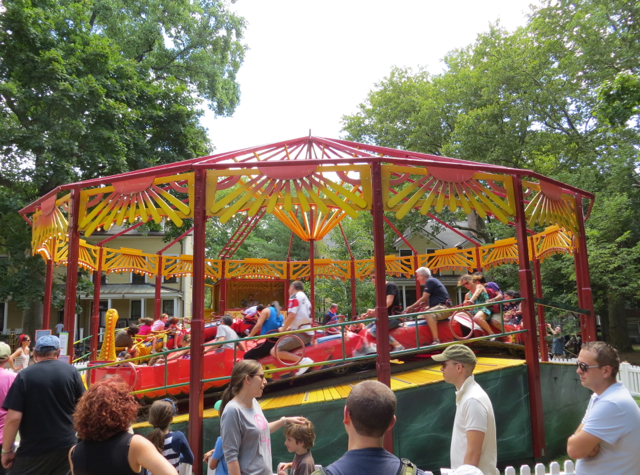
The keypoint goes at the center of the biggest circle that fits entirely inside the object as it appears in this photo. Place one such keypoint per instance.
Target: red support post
(223, 287)
(48, 284)
(312, 267)
(157, 301)
(383, 365)
(72, 270)
(95, 314)
(542, 326)
(585, 298)
(196, 394)
(529, 320)
(478, 260)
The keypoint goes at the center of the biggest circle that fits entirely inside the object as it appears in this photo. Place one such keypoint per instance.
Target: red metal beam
(457, 231)
(48, 284)
(383, 365)
(542, 327)
(529, 320)
(95, 314)
(585, 298)
(312, 264)
(196, 394)
(72, 271)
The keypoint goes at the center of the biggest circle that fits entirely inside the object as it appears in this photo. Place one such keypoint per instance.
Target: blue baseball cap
(48, 342)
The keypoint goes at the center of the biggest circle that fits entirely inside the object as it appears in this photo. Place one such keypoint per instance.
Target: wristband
(8, 452)
(284, 421)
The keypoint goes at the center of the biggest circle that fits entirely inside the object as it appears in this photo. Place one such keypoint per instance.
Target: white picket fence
(539, 469)
(629, 375)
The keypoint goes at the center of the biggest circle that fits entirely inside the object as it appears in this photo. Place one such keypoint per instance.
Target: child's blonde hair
(301, 433)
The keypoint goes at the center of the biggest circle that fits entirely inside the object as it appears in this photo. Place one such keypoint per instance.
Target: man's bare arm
(582, 444)
(475, 439)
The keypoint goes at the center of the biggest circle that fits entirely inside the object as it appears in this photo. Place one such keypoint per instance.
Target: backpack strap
(407, 468)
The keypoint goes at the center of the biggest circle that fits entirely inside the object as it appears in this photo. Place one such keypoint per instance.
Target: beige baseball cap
(460, 353)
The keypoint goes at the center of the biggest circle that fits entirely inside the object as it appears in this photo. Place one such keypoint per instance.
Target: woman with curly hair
(102, 417)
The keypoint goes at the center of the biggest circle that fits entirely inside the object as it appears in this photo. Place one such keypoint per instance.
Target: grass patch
(637, 400)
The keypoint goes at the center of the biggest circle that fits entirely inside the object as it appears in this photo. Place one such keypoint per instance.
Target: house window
(136, 309)
(406, 252)
(167, 307)
(138, 278)
(170, 280)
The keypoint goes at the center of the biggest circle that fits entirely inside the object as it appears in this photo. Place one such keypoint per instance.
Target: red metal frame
(237, 238)
(529, 321)
(585, 298)
(196, 393)
(48, 284)
(312, 264)
(353, 153)
(72, 272)
(542, 327)
(383, 365)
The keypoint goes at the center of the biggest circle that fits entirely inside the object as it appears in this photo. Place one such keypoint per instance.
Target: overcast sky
(310, 61)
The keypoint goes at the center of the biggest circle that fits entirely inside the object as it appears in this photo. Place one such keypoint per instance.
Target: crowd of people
(65, 429)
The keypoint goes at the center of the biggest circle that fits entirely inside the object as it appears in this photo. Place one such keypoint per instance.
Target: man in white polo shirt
(474, 429)
(607, 439)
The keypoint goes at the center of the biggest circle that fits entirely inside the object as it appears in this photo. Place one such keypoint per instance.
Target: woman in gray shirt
(246, 434)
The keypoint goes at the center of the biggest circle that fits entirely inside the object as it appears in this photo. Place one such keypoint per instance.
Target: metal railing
(344, 359)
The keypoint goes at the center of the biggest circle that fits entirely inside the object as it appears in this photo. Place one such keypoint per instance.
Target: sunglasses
(584, 367)
(175, 409)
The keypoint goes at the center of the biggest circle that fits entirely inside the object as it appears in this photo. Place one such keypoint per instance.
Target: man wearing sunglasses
(607, 439)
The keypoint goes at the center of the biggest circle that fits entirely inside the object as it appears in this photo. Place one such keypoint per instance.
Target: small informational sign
(42, 332)
(65, 358)
(64, 342)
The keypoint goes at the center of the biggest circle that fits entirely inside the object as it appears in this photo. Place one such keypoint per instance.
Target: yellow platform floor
(402, 380)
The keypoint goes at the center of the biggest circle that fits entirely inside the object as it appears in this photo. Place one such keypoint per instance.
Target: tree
(89, 89)
(529, 99)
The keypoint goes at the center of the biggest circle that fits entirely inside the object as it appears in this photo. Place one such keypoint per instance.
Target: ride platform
(426, 409)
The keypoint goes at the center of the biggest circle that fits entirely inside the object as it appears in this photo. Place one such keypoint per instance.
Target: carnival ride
(311, 184)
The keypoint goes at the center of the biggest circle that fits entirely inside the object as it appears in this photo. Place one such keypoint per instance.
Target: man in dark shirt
(394, 307)
(435, 295)
(368, 415)
(40, 404)
(333, 311)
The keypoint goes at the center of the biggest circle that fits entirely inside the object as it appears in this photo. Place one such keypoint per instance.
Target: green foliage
(89, 89)
(541, 97)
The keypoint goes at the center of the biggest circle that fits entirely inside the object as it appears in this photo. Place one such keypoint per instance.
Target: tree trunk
(618, 329)
(32, 319)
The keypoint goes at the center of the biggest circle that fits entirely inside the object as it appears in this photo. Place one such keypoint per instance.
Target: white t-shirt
(59, 328)
(613, 417)
(474, 412)
(228, 334)
(300, 304)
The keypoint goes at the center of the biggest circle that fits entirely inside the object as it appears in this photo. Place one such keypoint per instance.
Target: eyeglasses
(175, 409)
(444, 364)
(584, 367)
